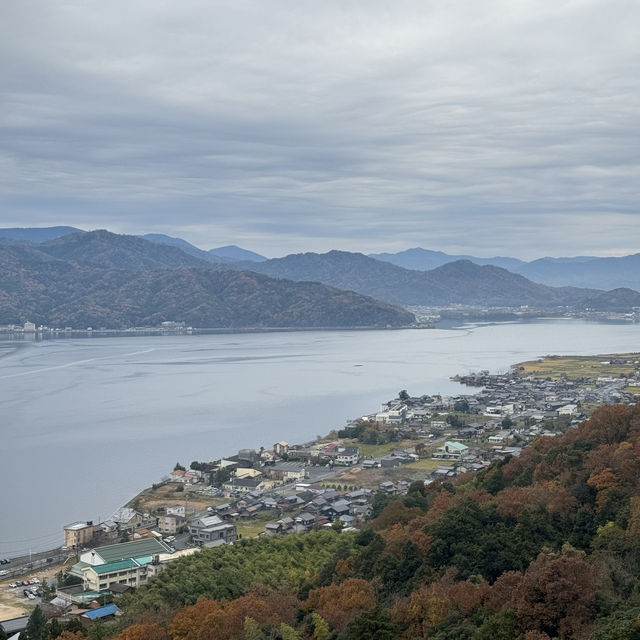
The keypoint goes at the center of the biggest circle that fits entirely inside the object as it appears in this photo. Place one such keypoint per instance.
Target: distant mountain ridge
(64, 284)
(578, 271)
(420, 259)
(36, 234)
(233, 252)
(455, 283)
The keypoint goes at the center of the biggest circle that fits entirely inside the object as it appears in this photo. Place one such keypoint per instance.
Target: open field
(579, 366)
(428, 464)
(376, 450)
(165, 495)
(251, 527)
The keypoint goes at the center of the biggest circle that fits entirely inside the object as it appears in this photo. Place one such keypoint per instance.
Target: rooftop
(135, 549)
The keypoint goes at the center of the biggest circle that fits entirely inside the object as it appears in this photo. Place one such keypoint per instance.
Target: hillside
(37, 287)
(540, 546)
(461, 282)
(105, 249)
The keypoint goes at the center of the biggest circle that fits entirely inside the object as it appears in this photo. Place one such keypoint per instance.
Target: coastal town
(339, 481)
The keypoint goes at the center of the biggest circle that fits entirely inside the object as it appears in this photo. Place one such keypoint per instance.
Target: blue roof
(102, 612)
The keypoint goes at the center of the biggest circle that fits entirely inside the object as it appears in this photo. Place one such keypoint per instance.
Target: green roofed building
(128, 563)
(451, 451)
(125, 550)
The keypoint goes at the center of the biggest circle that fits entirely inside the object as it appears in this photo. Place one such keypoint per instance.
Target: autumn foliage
(542, 546)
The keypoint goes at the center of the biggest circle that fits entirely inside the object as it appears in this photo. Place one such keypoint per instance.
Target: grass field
(251, 527)
(633, 389)
(578, 366)
(427, 464)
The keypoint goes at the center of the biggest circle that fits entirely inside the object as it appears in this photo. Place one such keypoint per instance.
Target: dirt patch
(10, 605)
(157, 499)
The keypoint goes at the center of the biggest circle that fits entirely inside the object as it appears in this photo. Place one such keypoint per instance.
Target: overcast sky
(505, 127)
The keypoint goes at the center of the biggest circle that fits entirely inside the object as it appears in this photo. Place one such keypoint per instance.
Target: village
(336, 482)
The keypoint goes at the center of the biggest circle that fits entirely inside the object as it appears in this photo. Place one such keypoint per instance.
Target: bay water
(86, 423)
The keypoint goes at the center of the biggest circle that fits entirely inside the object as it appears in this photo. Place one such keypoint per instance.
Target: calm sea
(86, 423)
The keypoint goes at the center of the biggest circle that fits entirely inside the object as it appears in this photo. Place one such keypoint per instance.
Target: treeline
(542, 546)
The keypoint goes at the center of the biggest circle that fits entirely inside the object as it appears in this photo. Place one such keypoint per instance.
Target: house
(212, 529)
(306, 520)
(395, 414)
(568, 410)
(127, 519)
(287, 471)
(387, 487)
(170, 523)
(243, 485)
(78, 534)
(281, 448)
(348, 455)
(451, 451)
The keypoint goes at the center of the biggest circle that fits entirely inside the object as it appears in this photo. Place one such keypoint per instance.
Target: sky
(501, 127)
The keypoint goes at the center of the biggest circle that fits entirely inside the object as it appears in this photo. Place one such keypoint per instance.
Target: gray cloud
(493, 127)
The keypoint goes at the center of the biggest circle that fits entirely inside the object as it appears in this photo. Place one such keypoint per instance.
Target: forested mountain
(36, 286)
(461, 282)
(545, 545)
(114, 251)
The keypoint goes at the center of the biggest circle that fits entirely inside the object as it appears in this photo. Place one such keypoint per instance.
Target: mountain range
(456, 283)
(105, 279)
(578, 271)
(100, 279)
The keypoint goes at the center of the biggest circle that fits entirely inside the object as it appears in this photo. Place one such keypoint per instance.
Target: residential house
(281, 448)
(78, 534)
(210, 529)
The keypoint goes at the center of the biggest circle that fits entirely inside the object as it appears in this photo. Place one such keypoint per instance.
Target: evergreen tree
(36, 624)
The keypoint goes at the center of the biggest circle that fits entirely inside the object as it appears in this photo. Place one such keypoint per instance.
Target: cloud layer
(507, 127)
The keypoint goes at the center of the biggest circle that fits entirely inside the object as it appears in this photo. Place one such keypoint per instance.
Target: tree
(288, 633)
(252, 630)
(373, 625)
(221, 476)
(143, 632)
(556, 596)
(36, 624)
(462, 406)
(403, 395)
(320, 627)
(178, 467)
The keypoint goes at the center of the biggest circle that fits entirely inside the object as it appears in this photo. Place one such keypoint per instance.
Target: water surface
(88, 422)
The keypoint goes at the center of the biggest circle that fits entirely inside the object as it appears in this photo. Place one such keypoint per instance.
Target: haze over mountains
(579, 271)
(103, 279)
